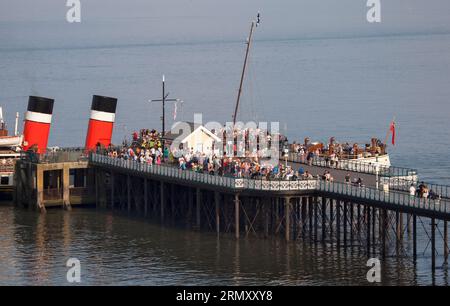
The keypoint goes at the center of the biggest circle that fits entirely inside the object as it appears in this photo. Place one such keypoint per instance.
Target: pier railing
(401, 198)
(439, 204)
(205, 178)
(56, 156)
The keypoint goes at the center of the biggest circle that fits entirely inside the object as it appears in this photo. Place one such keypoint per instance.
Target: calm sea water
(122, 250)
(348, 88)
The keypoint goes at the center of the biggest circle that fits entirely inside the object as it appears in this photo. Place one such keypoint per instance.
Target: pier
(380, 221)
(54, 179)
(315, 210)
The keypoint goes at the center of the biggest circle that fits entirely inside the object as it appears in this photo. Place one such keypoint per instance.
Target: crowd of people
(147, 147)
(423, 191)
(333, 152)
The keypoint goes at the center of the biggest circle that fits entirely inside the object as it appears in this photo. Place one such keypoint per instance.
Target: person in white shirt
(412, 190)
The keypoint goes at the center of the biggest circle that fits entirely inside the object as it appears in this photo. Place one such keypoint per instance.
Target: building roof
(178, 125)
(204, 130)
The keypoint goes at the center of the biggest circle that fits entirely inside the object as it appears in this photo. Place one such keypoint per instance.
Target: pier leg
(66, 192)
(408, 222)
(217, 202)
(358, 221)
(236, 216)
(162, 201)
(310, 215)
(351, 221)
(190, 204)
(433, 244)
(384, 226)
(397, 230)
(374, 219)
(96, 182)
(197, 209)
(277, 214)
(445, 243)
(316, 217)
(367, 208)
(345, 223)
(331, 218)
(324, 218)
(414, 217)
(266, 207)
(303, 208)
(112, 190)
(287, 217)
(145, 197)
(40, 189)
(129, 193)
(172, 201)
(401, 226)
(338, 223)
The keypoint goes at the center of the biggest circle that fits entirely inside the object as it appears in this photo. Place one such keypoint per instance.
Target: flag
(392, 129)
(175, 111)
(258, 19)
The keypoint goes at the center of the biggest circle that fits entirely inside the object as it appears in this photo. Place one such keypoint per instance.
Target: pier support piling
(433, 244)
(324, 218)
(316, 217)
(236, 216)
(217, 204)
(367, 209)
(145, 197)
(345, 223)
(384, 227)
(445, 243)
(65, 185)
(338, 223)
(198, 208)
(414, 218)
(162, 201)
(112, 189)
(287, 217)
(128, 193)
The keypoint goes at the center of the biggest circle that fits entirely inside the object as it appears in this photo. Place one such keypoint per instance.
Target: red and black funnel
(38, 119)
(101, 122)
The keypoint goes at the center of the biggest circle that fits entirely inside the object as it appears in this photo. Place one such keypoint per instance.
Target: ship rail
(355, 166)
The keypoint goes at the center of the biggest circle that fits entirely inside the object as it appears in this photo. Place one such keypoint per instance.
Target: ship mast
(249, 42)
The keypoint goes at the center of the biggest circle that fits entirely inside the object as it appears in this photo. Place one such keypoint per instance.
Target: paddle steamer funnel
(38, 119)
(101, 122)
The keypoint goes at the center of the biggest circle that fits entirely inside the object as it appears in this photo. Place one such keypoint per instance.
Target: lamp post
(377, 171)
(164, 100)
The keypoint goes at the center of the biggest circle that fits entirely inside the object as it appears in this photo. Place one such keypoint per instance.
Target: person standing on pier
(412, 191)
(347, 178)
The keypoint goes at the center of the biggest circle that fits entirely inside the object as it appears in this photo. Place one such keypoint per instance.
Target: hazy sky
(37, 23)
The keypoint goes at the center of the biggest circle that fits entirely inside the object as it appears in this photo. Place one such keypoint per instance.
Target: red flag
(392, 129)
